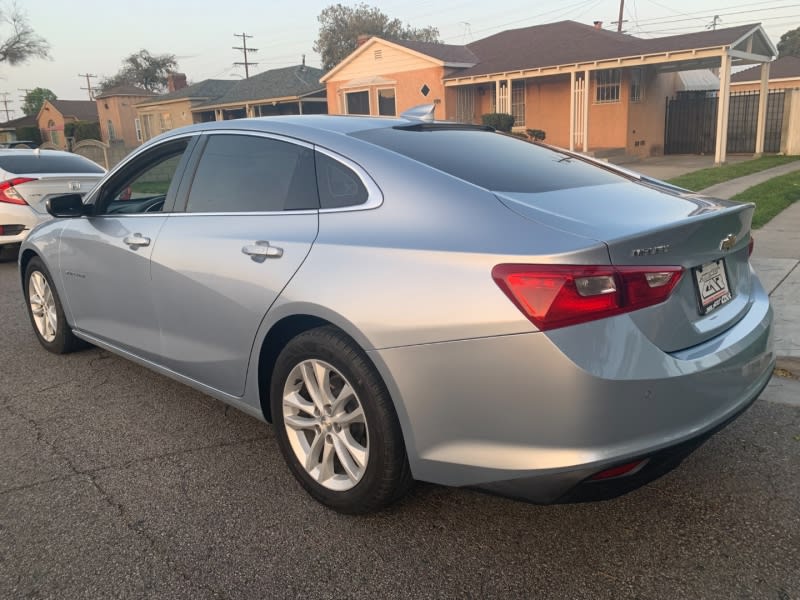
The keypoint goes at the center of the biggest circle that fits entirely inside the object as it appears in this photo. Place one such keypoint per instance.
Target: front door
(105, 258)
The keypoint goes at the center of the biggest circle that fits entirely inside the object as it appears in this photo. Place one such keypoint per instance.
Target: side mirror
(67, 206)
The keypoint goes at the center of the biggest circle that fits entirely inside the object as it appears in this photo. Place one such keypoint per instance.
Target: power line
(245, 50)
(88, 88)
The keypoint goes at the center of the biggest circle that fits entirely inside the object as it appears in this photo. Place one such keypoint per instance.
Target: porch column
(763, 98)
(572, 111)
(497, 97)
(586, 91)
(300, 106)
(723, 104)
(218, 114)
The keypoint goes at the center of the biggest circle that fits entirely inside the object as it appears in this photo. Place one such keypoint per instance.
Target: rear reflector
(7, 192)
(553, 296)
(619, 471)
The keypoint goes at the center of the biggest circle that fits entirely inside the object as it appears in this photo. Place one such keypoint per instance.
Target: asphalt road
(119, 483)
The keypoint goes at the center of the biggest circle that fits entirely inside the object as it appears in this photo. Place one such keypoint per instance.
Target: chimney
(176, 81)
(362, 38)
(598, 24)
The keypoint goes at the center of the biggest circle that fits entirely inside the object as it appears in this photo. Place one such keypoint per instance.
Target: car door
(249, 221)
(105, 257)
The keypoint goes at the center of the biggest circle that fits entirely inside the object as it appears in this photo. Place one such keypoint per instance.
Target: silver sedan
(406, 299)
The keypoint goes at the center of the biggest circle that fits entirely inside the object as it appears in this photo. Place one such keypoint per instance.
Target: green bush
(500, 121)
(31, 133)
(82, 130)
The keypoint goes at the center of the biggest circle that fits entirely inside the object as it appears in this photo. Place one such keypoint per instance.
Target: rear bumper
(16, 215)
(533, 415)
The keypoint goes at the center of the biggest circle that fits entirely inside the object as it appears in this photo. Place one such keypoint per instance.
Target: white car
(29, 177)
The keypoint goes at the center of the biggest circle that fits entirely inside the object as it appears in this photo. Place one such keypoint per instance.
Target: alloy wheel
(43, 306)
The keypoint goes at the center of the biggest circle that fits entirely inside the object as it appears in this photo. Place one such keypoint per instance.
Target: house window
(607, 84)
(636, 85)
(137, 123)
(357, 103)
(165, 121)
(386, 104)
(465, 104)
(518, 102)
(111, 133)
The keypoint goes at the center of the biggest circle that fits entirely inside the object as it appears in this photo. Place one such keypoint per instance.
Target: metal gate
(691, 122)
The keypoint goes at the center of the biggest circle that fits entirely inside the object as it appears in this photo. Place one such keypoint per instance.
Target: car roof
(35, 151)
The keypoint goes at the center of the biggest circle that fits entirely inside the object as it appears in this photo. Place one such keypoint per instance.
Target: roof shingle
(82, 110)
(287, 82)
(207, 89)
(785, 67)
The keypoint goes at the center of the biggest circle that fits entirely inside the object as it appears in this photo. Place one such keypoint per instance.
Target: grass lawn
(700, 180)
(771, 197)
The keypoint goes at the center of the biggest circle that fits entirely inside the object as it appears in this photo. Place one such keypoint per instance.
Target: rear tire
(46, 311)
(336, 424)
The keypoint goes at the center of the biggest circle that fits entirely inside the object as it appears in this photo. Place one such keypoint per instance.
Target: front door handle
(261, 250)
(136, 240)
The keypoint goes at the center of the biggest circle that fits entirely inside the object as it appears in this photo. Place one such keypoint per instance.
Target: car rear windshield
(30, 163)
(494, 161)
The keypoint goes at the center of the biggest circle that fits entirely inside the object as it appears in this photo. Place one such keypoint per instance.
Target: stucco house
(588, 88)
(116, 109)
(55, 114)
(784, 73)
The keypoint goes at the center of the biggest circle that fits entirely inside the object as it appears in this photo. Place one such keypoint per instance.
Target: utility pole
(245, 50)
(88, 87)
(619, 22)
(714, 22)
(5, 108)
(24, 97)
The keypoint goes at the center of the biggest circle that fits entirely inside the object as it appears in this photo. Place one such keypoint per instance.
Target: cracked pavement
(120, 483)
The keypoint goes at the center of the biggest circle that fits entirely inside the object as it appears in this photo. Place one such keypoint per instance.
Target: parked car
(28, 178)
(410, 299)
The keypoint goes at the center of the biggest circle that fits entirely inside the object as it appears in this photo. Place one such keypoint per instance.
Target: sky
(94, 36)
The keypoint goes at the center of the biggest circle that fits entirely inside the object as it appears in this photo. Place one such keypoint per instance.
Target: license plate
(712, 285)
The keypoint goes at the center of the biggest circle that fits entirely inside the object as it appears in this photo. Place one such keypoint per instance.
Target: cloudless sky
(95, 35)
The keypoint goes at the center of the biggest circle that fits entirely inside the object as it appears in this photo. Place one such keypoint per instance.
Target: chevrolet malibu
(406, 299)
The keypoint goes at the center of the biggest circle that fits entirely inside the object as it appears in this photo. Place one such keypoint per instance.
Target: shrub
(536, 134)
(500, 121)
(82, 130)
(31, 133)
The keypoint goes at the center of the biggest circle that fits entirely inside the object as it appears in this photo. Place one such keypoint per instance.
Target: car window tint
(48, 163)
(142, 186)
(243, 173)
(338, 185)
(494, 161)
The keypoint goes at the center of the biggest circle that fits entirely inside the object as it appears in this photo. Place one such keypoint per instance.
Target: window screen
(242, 173)
(338, 185)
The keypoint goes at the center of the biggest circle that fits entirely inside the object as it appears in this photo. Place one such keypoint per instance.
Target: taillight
(553, 296)
(7, 192)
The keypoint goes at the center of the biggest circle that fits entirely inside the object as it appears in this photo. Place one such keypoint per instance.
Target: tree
(34, 100)
(22, 43)
(142, 69)
(790, 43)
(341, 25)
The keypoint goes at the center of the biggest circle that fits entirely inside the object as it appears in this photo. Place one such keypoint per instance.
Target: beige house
(55, 114)
(174, 109)
(116, 109)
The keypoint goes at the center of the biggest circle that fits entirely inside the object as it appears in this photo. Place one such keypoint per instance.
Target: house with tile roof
(54, 115)
(588, 88)
(116, 109)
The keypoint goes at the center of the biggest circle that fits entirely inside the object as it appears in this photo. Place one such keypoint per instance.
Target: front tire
(336, 424)
(46, 312)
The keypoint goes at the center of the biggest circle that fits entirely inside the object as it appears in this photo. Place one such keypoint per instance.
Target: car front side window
(144, 185)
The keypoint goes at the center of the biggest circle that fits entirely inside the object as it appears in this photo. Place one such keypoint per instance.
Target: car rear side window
(494, 161)
(245, 173)
(48, 163)
(338, 185)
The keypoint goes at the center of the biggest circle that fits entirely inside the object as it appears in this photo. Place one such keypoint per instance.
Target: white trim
(749, 56)
(776, 80)
(368, 44)
(378, 100)
(347, 108)
(760, 29)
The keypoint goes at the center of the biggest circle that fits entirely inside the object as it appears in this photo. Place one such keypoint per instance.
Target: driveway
(117, 482)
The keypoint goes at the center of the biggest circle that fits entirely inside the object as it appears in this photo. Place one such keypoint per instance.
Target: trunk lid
(643, 225)
(44, 186)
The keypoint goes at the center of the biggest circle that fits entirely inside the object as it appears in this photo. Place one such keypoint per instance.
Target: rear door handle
(261, 250)
(136, 240)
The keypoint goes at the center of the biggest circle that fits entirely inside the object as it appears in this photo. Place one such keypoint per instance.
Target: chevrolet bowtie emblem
(728, 242)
